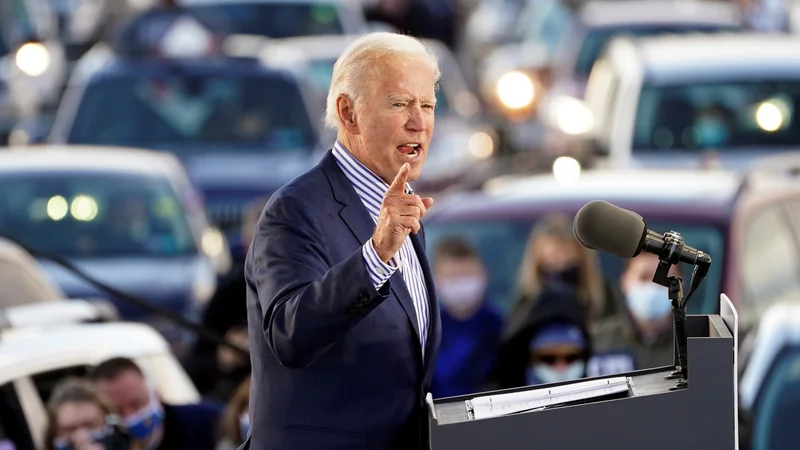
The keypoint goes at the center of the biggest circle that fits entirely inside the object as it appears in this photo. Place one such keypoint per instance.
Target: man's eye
(399, 105)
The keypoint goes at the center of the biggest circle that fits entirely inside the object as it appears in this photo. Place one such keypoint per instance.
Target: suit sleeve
(309, 303)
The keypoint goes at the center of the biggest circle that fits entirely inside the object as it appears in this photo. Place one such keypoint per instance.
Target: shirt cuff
(379, 272)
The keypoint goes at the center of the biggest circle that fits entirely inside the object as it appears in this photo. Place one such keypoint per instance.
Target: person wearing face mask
(80, 418)
(471, 328)
(641, 337)
(553, 345)
(153, 424)
(553, 257)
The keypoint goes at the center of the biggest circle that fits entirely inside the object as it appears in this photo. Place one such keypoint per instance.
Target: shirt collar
(352, 167)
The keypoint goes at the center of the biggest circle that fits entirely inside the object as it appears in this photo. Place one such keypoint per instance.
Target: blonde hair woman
(552, 255)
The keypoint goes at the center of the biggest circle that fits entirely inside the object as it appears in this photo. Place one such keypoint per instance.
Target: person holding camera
(80, 418)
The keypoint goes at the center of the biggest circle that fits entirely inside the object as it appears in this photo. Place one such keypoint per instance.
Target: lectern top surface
(645, 383)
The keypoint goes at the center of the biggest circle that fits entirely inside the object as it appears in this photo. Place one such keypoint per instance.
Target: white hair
(351, 67)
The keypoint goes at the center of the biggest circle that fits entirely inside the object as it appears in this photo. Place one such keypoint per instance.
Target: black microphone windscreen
(599, 225)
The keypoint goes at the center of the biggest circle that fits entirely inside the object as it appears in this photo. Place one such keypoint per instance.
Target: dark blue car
(240, 129)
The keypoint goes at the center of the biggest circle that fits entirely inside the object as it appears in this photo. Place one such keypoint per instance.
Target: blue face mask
(648, 301)
(543, 373)
(710, 132)
(142, 425)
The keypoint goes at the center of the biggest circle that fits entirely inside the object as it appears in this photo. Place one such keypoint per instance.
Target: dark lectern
(652, 415)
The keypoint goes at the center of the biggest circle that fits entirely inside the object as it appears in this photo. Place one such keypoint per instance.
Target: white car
(769, 388)
(35, 358)
(693, 100)
(461, 142)
(22, 281)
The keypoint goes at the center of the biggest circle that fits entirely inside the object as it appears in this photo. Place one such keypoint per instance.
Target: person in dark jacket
(217, 371)
(152, 423)
(553, 344)
(471, 328)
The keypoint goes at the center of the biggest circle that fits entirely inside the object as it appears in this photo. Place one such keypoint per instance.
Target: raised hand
(400, 215)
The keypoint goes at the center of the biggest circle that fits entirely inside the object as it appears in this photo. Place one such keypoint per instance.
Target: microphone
(599, 225)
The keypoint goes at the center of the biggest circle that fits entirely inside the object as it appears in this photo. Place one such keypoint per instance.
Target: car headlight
(516, 90)
(33, 59)
(481, 145)
(566, 170)
(572, 116)
(215, 247)
(204, 284)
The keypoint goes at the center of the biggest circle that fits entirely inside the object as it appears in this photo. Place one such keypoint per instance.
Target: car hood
(739, 161)
(167, 282)
(264, 172)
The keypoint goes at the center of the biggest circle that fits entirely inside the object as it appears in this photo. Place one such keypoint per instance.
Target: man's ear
(346, 108)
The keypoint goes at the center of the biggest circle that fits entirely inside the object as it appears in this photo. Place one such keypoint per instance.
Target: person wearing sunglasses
(553, 346)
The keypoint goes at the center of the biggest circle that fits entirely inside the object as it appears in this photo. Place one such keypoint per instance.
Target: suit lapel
(357, 218)
(433, 322)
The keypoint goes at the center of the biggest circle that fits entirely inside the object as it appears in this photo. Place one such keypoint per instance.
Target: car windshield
(320, 74)
(191, 113)
(94, 215)
(775, 424)
(718, 115)
(501, 245)
(275, 20)
(597, 38)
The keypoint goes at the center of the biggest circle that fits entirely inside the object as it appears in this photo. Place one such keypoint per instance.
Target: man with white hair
(343, 321)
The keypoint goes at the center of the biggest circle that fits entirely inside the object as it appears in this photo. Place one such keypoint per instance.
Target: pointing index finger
(399, 183)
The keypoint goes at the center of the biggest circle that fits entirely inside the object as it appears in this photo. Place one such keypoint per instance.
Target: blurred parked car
(35, 66)
(241, 130)
(746, 223)
(36, 358)
(461, 143)
(22, 281)
(279, 18)
(535, 83)
(684, 101)
(128, 218)
(769, 388)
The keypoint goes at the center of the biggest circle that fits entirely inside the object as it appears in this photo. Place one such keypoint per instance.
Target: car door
(769, 265)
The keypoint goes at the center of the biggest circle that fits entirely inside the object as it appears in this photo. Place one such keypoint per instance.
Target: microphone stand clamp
(670, 256)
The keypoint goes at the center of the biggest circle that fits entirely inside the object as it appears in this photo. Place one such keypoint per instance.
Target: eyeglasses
(552, 359)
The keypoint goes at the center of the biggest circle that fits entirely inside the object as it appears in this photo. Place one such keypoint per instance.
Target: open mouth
(410, 150)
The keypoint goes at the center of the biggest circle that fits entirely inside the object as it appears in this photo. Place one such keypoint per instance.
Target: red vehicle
(749, 224)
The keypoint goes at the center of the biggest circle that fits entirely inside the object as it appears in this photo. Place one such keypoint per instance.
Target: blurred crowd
(142, 140)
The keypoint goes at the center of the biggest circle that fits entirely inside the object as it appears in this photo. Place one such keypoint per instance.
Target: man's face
(127, 391)
(458, 269)
(397, 108)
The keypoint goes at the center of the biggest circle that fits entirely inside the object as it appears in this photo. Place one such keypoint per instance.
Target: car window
(320, 74)
(597, 38)
(549, 24)
(14, 430)
(770, 270)
(272, 19)
(721, 114)
(190, 113)
(46, 381)
(778, 405)
(91, 215)
(501, 245)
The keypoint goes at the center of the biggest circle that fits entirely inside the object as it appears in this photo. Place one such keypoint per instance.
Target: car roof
(609, 13)
(661, 192)
(34, 349)
(719, 56)
(79, 158)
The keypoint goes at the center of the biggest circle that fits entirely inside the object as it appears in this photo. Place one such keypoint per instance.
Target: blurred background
(140, 140)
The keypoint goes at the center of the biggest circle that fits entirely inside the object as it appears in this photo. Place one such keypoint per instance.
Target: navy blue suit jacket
(336, 364)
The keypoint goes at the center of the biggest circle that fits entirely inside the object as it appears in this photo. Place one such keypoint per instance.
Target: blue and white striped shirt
(371, 189)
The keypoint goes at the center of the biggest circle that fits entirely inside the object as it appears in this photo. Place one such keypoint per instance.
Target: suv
(684, 101)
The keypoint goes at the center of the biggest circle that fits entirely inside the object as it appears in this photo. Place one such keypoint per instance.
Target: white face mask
(461, 292)
(648, 301)
(544, 373)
